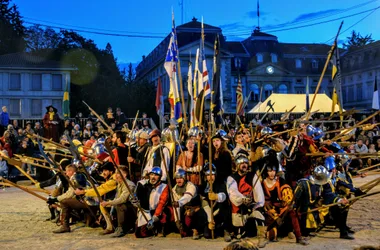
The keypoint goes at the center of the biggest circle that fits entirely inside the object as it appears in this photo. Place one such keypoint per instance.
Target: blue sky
(236, 18)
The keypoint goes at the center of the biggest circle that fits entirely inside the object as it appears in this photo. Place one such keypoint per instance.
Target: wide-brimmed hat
(51, 106)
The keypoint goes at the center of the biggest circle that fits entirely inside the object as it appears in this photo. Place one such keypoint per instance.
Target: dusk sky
(236, 18)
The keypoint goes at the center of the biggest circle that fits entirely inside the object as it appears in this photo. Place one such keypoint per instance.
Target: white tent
(284, 102)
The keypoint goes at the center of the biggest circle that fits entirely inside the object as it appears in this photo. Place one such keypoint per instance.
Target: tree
(12, 31)
(356, 40)
(130, 77)
(39, 39)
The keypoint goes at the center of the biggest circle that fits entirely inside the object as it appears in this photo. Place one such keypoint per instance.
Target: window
(268, 90)
(299, 81)
(36, 82)
(36, 107)
(283, 89)
(58, 105)
(259, 58)
(359, 93)
(274, 58)
(57, 82)
(255, 92)
(298, 63)
(15, 82)
(350, 96)
(314, 64)
(14, 107)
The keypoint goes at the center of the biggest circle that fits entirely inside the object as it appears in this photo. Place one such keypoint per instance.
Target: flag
(159, 99)
(170, 66)
(307, 95)
(191, 93)
(198, 107)
(216, 105)
(375, 98)
(336, 79)
(205, 78)
(239, 99)
(66, 100)
(196, 90)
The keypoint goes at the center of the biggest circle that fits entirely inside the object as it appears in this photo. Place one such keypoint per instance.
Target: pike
(210, 181)
(129, 147)
(75, 153)
(29, 158)
(112, 157)
(171, 193)
(97, 116)
(37, 137)
(358, 124)
(59, 168)
(29, 188)
(18, 165)
(24, 189)
(338, 203)
(276, 134)
(364, 169)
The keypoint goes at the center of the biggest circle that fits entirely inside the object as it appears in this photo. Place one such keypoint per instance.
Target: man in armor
(138, 162)
(153, 196)
(158, 155)
(188, 205)
(247, 198)
(221, 208)
(69, 200)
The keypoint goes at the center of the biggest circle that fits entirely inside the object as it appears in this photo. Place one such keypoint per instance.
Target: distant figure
(4, 120)
(51, 124)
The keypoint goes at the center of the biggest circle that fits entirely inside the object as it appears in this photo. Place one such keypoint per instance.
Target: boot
(65, 228)
(195, 234)
(227, 236)
(261, 233)
(106, 231)
(346, 236)
(119, 232)
(303, 241)
(52, 214)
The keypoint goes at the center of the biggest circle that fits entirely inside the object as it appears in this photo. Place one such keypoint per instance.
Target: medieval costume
(51, 122)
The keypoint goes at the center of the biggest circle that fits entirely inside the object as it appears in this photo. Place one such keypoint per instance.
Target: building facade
(360, 67)
(28, 84)
(263, 64)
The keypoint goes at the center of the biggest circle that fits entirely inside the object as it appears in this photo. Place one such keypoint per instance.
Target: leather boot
(65, 228)
(261, 233)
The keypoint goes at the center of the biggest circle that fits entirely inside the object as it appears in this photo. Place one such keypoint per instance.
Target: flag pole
(333, 47)
(180, 82)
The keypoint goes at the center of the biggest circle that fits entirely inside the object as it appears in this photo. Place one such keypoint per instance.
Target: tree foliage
(356, 40)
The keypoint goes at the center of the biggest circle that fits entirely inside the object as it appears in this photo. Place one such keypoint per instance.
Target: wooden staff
(357, 154)
(39, 165)
(112, 157)
(29, 188)
(358, 124)
(210, 181)
(18, 165)
(275, 134)
(170, 189)
(29, 158)
(98, 116)
(324, 71)
(369, 183)
(338, 203)
(69, 156)
(23, 189)
(364, 169)
(129, 146)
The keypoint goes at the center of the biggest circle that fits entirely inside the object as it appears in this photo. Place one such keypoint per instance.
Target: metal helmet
(167, 135)
(101, 140)
(76, 162)
(336, 145)
(98, 148)
(321, 176)
(241, 158)
(310, 130)
(180, 174)
(266, 131)
(156, 171)
(206, 169)
(133, 134)
(318, 134)
(221, 134)
(330, 163)
(194, 131)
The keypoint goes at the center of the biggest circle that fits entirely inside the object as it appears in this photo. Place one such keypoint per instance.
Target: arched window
(268, 90)
(298, 63)
(259, 58)
(255, 92)
(274, 58)
(314, 64)
(283, 89)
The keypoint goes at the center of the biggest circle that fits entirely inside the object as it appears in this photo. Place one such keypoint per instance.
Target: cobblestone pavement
(22, 226)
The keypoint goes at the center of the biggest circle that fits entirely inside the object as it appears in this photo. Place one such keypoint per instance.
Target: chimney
(143, 57)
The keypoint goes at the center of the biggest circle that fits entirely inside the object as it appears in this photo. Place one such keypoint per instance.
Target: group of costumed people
(250, 182)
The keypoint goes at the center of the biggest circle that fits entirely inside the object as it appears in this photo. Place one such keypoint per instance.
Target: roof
(24, 60)
(194, 24)
(281, 103)
(257, 32)
(236, 47)
(305, 48)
